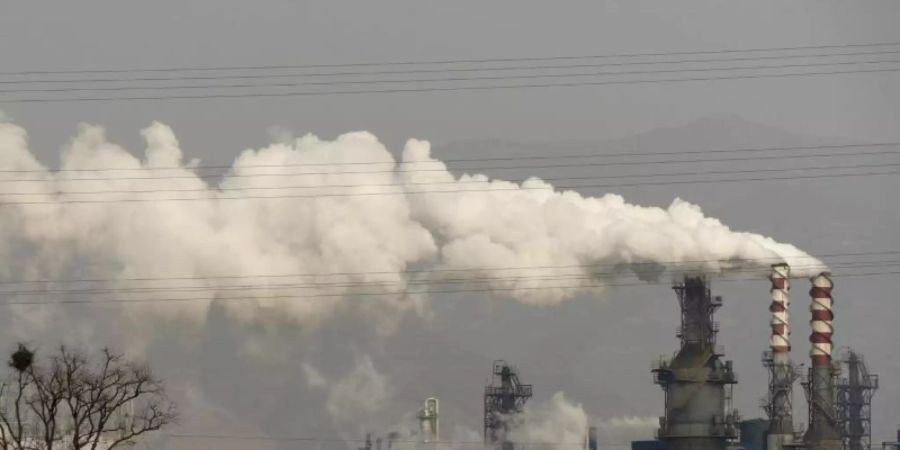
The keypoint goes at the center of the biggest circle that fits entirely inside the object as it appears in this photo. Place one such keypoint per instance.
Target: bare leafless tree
(72, 402)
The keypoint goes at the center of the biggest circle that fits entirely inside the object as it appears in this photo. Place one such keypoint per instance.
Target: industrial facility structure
(503, 399)
(697, 383)
(855, 389)
(429, 422)
(782, 373)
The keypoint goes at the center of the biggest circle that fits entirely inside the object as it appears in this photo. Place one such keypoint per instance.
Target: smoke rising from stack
(354, 396)
(558, 423)
(354, 243)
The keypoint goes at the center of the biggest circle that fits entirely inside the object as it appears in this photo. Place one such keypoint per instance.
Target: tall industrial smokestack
(822, 317)
(823, 433)
(778, 361)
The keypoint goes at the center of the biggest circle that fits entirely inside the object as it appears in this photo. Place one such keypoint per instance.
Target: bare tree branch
(77, 404)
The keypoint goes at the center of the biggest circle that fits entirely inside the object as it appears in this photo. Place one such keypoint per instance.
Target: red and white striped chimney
(780, 342)
(822, 316)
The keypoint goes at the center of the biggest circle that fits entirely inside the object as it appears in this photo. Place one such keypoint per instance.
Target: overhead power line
(440, 270)
(452, 61)
(433, 89)
(371, 294)
(439, 183)
(441, 70)
(438, 281)
(349, 441)
(563, 156)
(457, 169)
(435, 80)
(454, 443)
(402, 192)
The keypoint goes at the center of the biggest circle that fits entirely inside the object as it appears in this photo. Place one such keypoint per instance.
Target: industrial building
(503, 399)
(697, 384)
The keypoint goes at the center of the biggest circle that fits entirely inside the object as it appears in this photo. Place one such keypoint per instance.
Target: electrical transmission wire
(580, 276)
(443, 270)
(441, 70)
(369, 294)
(402, 192)
(431, 89)
(433, 80)
(358, 441)
(438, 183)
(453, 61)
(478, 159)
(467, 169)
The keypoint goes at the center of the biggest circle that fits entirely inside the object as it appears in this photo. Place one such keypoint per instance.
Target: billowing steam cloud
(561, 424)
(302, 230)
(558, 424)
(354, 396)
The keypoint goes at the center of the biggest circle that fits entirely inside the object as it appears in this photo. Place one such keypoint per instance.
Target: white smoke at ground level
(555, 424)
(619, 432)
(355, 395)
(560, 423)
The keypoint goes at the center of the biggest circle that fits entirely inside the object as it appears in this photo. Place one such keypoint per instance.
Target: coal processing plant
(697, 384)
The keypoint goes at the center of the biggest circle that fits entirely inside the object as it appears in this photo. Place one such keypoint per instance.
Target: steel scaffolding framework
(503, 399)
(855, 389)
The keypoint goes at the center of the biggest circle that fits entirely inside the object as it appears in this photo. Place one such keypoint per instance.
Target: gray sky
(577, 347)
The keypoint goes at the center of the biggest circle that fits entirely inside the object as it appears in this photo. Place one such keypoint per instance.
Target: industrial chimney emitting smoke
(778, 361)
(696, 382)
(823, 432)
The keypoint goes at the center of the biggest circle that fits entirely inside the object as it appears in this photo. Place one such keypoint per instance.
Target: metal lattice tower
(855, 389)
(778, 404)
(696, 382)
(503, 398)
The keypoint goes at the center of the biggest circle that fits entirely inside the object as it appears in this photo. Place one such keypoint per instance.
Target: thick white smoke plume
(355, 395)
(301, 230)
(618, 432)
(557, 424)
(562, 424)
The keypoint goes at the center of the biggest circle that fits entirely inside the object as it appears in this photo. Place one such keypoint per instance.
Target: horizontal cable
(446, 191)
(450, 61)
(402, 293)
(348, 440)
(475, 169)
(456, 160)
(432, 80)
(443, 70)
(773, 259)
(437, 183)
(434, 89)
(433, 281)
